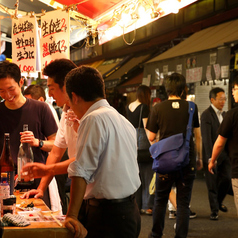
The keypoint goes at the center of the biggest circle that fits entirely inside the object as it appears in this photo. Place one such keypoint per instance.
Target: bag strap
(139, 125)
(140, 115)
(191, 109)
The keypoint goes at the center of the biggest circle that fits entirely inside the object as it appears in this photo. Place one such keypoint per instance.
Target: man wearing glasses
(219, 182)
(228, 137)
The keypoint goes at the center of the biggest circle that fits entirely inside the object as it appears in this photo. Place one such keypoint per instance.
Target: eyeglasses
(221, 99)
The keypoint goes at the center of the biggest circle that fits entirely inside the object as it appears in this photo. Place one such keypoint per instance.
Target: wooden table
(36, 229)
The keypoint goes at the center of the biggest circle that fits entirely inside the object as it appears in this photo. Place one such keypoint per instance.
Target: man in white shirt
(218, 183)
(105, 174)
(66, 136)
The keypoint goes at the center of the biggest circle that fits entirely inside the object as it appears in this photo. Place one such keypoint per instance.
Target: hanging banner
(55, 35)
(24, 43)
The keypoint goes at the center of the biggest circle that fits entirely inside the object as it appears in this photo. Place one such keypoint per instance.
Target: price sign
(24, 43)
(54, 36)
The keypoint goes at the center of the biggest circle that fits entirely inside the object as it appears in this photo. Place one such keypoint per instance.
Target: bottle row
(7, 168)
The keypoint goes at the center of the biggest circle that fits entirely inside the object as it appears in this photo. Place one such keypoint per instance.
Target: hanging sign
(179, 68)
(236, 61)
(24, 43)
(194, 75)
(55, 35)
(217, 70)
(225, 71)
(209, 73)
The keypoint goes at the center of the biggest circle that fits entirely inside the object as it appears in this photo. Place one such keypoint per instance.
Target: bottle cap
(25, 127)
(13, 198)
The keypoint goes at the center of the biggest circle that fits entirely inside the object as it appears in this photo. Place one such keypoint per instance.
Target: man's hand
(211, 165)
(199, 164)
(34, 170)
(36, 193)
(28, 137)
(75, 227)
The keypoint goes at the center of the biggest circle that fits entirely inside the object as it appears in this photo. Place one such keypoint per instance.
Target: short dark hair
(36, 91)
(214, 91)
(86, 82)
(58, 70)
(175, 84)
(235, 81)
(10, 70)
(143, 94)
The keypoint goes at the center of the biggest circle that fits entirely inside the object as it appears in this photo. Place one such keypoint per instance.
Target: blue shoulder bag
(172, 153)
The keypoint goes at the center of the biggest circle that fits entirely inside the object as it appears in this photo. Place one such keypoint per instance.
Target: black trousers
(115, 220)
(218, 183)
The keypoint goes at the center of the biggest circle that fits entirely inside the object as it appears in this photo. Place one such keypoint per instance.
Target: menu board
(24, 43)
(55, 35)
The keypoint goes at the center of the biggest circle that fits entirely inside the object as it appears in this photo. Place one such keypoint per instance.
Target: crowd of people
(109, 183)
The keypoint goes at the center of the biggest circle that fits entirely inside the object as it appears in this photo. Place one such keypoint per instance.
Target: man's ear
(21, 82)
(75, 98)
(41, 99)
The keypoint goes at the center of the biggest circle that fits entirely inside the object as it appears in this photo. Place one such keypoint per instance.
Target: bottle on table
(6, 162)
(4, 190)
(25, 155)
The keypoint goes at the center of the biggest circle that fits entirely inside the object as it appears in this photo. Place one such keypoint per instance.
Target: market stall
(42, 223)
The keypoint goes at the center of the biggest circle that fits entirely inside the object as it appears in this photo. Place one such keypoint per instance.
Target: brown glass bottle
(6, 162)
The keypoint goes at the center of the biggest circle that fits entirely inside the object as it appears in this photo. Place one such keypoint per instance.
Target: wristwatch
(41, 143)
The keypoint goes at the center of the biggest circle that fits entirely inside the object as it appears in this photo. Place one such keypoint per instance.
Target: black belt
(96, 202)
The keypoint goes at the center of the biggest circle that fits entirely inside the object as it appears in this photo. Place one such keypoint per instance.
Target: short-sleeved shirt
(134, 116)
(66, 137)
(229, 130)
(106, 153)
(40, 121)
(170, 117)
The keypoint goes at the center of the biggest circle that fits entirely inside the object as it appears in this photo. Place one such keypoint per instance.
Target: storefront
(204, 59)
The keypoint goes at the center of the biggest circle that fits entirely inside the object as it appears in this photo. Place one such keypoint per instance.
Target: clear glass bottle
(25, 155)
(6, 162)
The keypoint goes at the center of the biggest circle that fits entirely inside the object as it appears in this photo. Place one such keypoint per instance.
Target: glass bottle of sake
(25, 155)
(6, 162)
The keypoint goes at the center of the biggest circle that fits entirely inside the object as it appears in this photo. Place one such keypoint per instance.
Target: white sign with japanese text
(217, 70)
(55, 35)
(24, 43)
(194, 75)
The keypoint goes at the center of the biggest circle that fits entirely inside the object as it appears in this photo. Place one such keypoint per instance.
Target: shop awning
(96, 63)
(109, 66)
(131, 85)
(206, 39)
(127, 66)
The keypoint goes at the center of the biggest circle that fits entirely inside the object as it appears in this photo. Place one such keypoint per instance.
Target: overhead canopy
(208, 38)
(92, 8)
(127, 66)
(131, 85)
(109, 66)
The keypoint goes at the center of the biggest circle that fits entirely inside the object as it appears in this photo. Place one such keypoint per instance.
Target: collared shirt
(106, 153)
(218, 113)
(66, 137)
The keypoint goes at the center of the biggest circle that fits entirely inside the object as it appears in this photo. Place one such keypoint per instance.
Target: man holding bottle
(16, 110)
(66, 136)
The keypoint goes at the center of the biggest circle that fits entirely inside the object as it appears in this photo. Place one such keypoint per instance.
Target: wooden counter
(36, 229)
